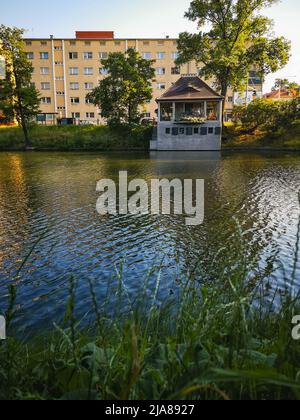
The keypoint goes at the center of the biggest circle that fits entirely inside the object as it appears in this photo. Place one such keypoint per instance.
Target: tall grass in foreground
(217, 339)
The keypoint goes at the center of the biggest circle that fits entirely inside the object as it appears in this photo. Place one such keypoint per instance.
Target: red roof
(95, 34)
(276, 94)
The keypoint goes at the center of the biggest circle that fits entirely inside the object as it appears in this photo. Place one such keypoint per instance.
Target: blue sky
(136, 18)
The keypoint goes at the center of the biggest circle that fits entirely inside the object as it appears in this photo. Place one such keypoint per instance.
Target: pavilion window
(179, 111)
(166, 111)
(213, 111)
(189, 109)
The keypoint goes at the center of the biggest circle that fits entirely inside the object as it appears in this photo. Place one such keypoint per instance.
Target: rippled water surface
(49, 229)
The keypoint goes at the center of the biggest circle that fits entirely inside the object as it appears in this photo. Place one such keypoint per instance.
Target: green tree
(19, 100)
(267, 115)
(286, 84)
(233, 39)
(128, 86)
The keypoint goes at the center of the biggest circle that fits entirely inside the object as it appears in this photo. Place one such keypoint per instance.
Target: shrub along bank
(85, 138)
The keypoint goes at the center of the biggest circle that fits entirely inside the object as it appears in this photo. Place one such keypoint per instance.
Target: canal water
(50, 230)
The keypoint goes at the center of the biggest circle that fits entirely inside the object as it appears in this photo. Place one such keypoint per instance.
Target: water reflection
(251, 216)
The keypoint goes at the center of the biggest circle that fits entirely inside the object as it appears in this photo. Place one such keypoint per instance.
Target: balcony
(190, 112)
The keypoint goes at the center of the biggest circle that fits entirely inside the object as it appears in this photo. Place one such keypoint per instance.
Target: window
(146, 43)
(45, 70)
(103, 55)
(218, 131)
(58, 48)
(210, 130)
(88, 101)
(59, 63)
(161, 56)
(117, 43)
(90, 115)
(203, 131)
(160, 42)
(103, 71)
(75, 100)
(73, 55)
(161, 86)
(212, 111)
(74, 86)
(43, 43)
(168, 130)
(73, 71)
(76, 115)
(166, 111)
(72, 43)
(175, 70)
(45, 86)
(103, 43)
(61, 108)
(28, 43)
(189, 131)
(88, 55)
(196, 130)
(181, 130)
(88, 71)
(44, 56)
(89, 86)
(146, 115)
(175, 55)
(189, 109)
(60, 93)
(46, 101)
(230, 99)
(30, 56)
(59, 78)
(147, 56)
(174, 131)
(254, 78)
(160, 71)
(87, 43)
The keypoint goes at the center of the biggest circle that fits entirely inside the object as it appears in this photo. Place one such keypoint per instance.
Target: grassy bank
(67, 138)
(216, 340)
(281, 139)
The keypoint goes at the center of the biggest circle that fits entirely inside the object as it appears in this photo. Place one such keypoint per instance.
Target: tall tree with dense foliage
(126, 89)
(19, 99)
(233, 39)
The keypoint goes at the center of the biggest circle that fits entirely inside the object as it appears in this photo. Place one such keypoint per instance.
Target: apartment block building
(66, 70)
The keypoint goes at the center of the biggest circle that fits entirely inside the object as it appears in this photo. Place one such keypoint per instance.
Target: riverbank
(103, 138)
(282, 139)
(77, 138)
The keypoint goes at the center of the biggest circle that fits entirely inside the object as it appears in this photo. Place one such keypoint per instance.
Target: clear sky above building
(136, 18)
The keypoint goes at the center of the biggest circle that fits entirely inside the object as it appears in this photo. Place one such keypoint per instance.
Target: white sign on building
(246, 97)
(2, 68)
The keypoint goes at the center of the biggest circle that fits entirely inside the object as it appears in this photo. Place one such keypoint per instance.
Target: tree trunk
(26, 135)
(21, 111)
(129, 113)
(224, 94)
